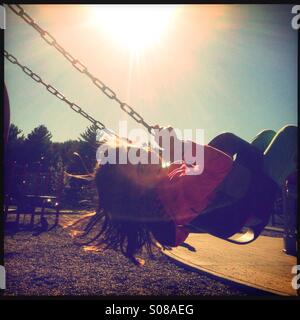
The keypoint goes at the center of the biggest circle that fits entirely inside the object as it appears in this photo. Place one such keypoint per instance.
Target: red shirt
(185, 196)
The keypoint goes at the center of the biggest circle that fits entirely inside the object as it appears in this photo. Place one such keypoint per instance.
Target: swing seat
(247, 237)
(262, 201)
(244, 238)
(250, 213)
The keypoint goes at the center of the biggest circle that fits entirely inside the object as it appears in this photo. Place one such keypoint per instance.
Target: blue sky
(218, 68)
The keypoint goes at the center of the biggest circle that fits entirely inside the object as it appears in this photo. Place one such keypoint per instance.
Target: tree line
(36, 150)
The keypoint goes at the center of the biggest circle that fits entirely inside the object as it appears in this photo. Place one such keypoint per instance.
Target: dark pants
(226, 221)
(246, 154)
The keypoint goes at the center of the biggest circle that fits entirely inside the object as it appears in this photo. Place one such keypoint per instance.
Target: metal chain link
(18, 10)
(56, 93)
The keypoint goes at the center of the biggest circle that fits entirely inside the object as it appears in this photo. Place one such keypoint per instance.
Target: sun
(135, 27)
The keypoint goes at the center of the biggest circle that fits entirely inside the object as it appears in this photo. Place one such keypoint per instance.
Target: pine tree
(88, 147)
(15, 145)
(38, 144)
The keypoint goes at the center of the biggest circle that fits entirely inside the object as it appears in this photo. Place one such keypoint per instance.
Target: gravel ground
(51, 264)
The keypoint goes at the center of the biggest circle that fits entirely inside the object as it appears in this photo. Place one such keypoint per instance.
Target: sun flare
(135, 27)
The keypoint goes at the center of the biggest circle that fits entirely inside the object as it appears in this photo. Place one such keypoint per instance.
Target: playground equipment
(253, 230)
(32, 190)
(290, 210)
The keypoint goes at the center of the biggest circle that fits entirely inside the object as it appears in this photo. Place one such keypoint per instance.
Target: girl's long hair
(129, 238)
(118, 222)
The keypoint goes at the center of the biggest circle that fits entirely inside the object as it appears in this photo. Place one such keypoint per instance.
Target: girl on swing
(141, 204)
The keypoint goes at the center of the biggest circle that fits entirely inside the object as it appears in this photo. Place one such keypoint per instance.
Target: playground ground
(261, 264)
(51, 264)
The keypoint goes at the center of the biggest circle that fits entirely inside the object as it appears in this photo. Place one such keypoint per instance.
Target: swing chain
(18, 10)
(55, 92)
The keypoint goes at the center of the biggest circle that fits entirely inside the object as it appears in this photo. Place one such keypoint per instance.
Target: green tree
(15, 145)
(88, 147)
(14, 133)
(67, 150)
(38, 143)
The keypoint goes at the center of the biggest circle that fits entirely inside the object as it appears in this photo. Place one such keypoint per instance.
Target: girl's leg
(257, 203)
(280, 158)
(253, 210)
(246, 154)
(263, 139)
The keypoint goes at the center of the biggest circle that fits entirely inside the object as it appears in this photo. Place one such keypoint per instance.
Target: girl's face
(144, 175)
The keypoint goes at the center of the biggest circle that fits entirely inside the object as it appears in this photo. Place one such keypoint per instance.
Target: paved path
(261, 264)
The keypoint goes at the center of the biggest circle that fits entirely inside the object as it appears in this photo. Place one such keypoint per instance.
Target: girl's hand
(169, 128)
(161, 131)
(168, 136)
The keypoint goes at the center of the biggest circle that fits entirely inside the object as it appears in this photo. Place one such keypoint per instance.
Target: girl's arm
(167, 139)
(176, 149)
